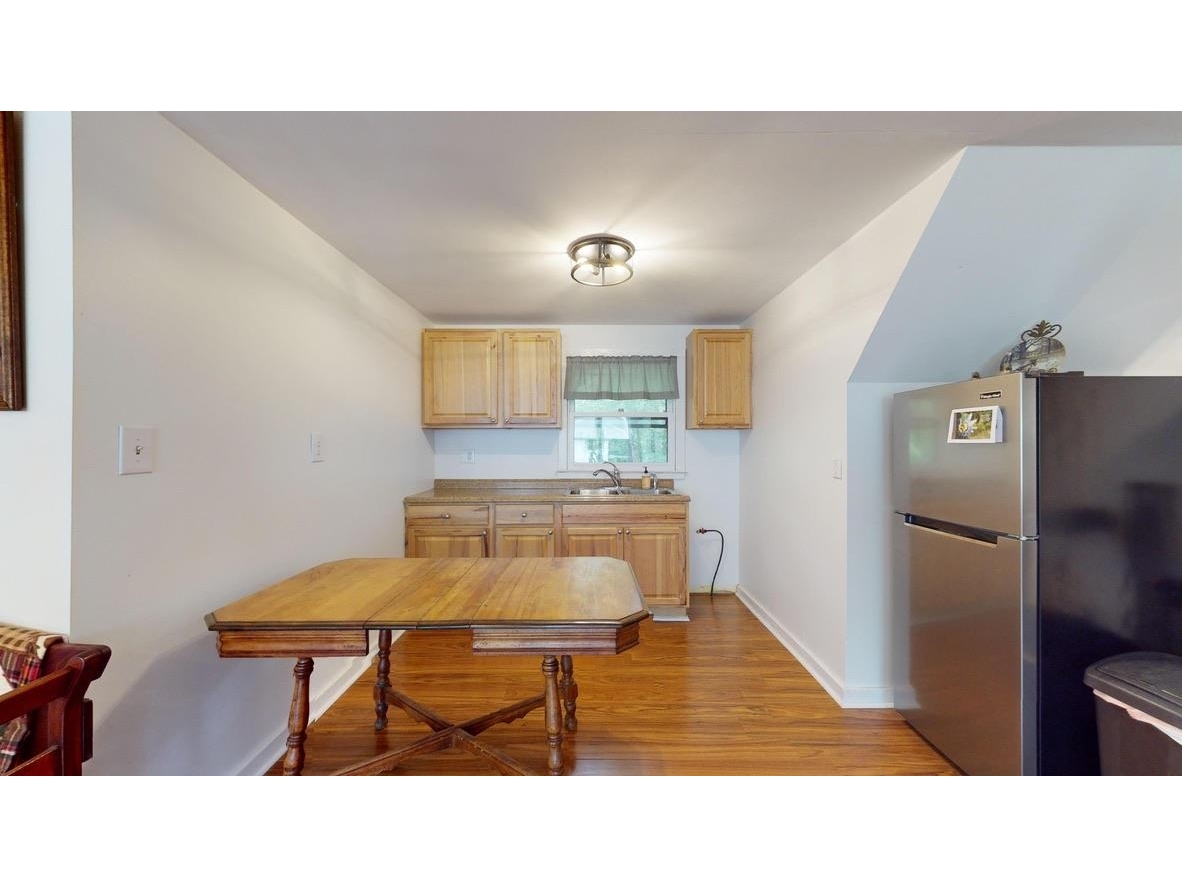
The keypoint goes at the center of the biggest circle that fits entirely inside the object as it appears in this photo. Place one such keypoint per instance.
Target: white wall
(710, 479)
(35, 442)
(793, 562)
(205, 311)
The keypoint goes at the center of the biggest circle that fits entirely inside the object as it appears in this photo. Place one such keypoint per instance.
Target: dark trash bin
(1138, 713)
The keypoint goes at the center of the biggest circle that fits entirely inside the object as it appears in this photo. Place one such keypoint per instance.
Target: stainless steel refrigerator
(1037, 528)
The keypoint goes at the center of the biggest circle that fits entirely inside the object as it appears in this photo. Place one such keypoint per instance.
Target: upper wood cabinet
(491, 378)
(530, 368)
(718, 378)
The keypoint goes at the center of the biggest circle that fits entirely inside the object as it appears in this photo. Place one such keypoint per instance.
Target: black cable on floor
(721, 549)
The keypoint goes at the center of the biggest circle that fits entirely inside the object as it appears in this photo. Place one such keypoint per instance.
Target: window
(627, 432)
(623, 410)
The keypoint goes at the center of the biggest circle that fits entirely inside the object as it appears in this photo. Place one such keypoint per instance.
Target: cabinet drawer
(448, 513)
(624, 513)
(529, 513)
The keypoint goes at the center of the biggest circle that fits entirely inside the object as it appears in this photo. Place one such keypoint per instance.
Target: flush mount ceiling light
(601, 259)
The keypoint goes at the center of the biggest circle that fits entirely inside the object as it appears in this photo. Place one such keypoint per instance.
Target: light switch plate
(137, 450)
(316, 446)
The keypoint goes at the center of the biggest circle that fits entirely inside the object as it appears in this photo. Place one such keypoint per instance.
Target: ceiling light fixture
(601, 259)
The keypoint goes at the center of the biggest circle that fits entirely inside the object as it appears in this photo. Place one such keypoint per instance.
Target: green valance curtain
(621, 378)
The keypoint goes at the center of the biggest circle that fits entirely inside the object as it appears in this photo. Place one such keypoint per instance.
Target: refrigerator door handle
(944, 528)
(975, 534)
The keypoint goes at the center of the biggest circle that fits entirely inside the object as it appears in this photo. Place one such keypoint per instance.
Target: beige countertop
(547, 490)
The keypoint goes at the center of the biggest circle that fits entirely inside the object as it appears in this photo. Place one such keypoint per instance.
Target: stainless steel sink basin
(623, 491)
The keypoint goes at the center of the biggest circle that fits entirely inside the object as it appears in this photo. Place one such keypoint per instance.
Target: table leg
(297, 719)
(570, 693)
(553, 714)
(382, 685)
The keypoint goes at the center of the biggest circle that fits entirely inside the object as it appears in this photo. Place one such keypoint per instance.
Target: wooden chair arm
(59, 714)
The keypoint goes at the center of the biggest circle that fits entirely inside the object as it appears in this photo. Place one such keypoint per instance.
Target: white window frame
(674, 468)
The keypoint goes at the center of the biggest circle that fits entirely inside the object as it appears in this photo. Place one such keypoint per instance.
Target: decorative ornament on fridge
(1037, 353)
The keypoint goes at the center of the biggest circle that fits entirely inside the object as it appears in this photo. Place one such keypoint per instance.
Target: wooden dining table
(553, 607)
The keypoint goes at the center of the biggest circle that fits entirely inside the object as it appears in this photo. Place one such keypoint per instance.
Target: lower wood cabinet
(447, 531)
(524, 531)
(651, 537)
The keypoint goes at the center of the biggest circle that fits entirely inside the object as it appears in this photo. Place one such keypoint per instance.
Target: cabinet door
(529, 392)
(432, 541)
(604, 541)
(524, 542)
(460, 379)
(657, 554)
(718, 374)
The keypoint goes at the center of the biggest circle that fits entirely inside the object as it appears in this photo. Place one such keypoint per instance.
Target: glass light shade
(601, 260)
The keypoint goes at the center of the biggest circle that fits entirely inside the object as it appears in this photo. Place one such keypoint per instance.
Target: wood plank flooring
(717, 695)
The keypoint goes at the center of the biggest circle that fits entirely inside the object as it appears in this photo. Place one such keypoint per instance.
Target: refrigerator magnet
(975, 425)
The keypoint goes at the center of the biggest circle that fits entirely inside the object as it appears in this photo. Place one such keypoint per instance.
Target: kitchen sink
(622, 491)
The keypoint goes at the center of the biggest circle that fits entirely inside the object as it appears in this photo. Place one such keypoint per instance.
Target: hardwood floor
(717, 695)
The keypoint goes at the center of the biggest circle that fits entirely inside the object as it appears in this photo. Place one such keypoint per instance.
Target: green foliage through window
(627, 432)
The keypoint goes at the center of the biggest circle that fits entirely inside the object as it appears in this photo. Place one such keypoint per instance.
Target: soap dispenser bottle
(647, 481)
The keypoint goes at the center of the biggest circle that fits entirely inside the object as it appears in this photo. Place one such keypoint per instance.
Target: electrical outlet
(837, 469)
(137, 450)
(316, 447)
(468, 456)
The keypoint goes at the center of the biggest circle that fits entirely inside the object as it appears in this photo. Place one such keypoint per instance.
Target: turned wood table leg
(382, 684)
(553, 714)
(570, 693)
(297, 719)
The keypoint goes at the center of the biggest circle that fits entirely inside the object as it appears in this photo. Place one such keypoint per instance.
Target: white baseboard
(318, 705)
(846, 697)
(705, 589)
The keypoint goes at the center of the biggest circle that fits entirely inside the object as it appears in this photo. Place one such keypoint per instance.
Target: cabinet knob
(524, 515)
(549, 532)
(627, 532)
(445, 516)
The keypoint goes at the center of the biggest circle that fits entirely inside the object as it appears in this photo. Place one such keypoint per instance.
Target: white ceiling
(467, 215)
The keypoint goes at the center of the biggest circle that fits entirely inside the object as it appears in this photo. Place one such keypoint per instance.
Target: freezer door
(964, 645)
(988, 485)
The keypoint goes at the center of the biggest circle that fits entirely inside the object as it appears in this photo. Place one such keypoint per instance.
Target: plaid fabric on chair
(21, 652)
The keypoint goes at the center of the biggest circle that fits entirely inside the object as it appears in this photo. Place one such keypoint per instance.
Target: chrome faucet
(614, 473)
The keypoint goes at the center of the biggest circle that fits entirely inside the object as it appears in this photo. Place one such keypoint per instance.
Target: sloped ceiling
(1086, 238)
(467, 215)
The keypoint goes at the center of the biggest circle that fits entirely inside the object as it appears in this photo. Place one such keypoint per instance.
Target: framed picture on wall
(12, 364)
